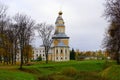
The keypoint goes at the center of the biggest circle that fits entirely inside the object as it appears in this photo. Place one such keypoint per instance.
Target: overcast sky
(83, 19)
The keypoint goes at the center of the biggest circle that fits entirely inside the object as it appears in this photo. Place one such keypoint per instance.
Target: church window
(57, 51)
(62, 30)
(43, 55)
(57, 58)
(37, 55)
(36, 51)
(61, 51)
(65, 50)
(59, 30)
(65, 57)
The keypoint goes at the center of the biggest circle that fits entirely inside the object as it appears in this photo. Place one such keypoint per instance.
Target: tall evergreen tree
(72, 54)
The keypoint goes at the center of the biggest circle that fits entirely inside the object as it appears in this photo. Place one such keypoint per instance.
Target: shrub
(112, 73)
(45, 78)
(29, 64)
(108, 64)
(69, 71)
(85, 75)
(39, 58)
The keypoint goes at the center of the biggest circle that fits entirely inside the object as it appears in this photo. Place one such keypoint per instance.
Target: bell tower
(60, 27)
(60, 45)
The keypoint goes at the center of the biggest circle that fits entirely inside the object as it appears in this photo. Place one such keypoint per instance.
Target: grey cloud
(83, 19)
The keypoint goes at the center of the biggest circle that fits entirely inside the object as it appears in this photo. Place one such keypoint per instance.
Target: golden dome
(60, 13)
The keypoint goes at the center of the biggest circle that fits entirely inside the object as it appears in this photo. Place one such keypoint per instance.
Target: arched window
(65, 50)
(43, 51)
(62, 30)
(57, 51)
(61, 51)
(37, 55)
(65, 57)
(43, 55)
(36, 51)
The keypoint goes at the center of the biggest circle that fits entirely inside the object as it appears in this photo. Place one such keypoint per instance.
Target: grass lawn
(15, 75)
(112, 73)
(71, 70)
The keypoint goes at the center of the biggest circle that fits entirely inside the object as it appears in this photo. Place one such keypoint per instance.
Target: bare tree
(25, 27)
(45, 33)
(3, 17)
(112, 39)
(3, 9)
(14, 32)
(4, 21)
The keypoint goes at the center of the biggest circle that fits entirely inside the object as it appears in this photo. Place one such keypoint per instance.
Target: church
(60, 46)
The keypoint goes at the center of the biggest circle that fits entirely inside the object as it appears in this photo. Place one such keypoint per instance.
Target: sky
(84, 21)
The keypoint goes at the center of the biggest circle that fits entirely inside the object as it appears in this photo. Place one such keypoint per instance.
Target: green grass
(15, 75)
(71, 70)
(112, 73)
(91, 65)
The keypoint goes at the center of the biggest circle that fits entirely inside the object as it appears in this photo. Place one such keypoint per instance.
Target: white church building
(60, 47)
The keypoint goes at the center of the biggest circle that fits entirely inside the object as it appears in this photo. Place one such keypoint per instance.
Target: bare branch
(112, 41)
(45, 33)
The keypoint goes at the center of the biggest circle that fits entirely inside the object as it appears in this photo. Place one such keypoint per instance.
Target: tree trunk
(21, 54)
(12, 55)
(15, 56)
(46, 54)
(27, 58)
(46, 58)
(118, 58)
(15, 50)
(0, 59)
(9, 59)
(118, 61)
(21, 59)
